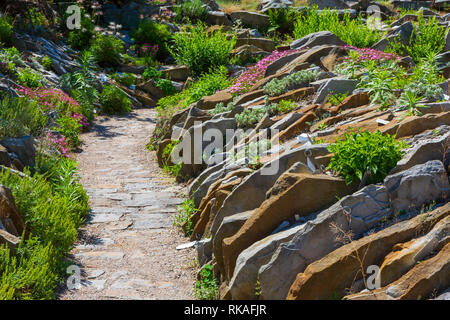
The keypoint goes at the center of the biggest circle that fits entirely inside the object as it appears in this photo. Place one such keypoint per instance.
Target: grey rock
(23, 147)
(275, 66)
(252, 19)
(286, 121)
(335, 85)
(316, 238)
(218, 18)
(332, 4)
(419, 185)
(317, 39)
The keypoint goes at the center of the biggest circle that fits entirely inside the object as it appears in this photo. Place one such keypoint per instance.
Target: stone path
(127, 248)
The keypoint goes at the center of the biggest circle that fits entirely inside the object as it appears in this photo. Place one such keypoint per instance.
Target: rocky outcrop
(12, 225)
(319, 280)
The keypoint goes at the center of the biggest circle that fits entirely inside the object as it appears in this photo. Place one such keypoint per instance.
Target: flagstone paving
(127, 247)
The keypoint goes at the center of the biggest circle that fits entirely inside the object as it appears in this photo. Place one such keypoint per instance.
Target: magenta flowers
(148, 49)
(49, 98)
(59, 143)
(255, 73)
(365, 54)
(80, 119)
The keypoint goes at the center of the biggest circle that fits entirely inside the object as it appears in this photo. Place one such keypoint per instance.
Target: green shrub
(114, 100)
(53, 205)
(191, 10)
(250, 117)
(29, 78)
(206, 85)
(282, 19)
(165, 85)
(152, 73)
(182, 219)
(277, 87)
(202, 50)
(207, 287)
(285, 106)
(6, 31)
(107, 50)
(47, 63)
(19, 117)
(220, 108)
(428, 37)
(70, 128)
(125, 79)
(337, 98)
(358, 152)
(80, 39)
(150, 32)
(354, 32)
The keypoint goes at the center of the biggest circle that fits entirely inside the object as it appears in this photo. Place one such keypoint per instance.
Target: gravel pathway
(127, 247)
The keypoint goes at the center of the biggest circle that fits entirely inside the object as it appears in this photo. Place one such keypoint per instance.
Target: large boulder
(319, 280)
(317, 39)
(421, 282)
(406, 255)
(218, 18)
(419, 185)
(11, 222)
(251, 19)
(249, 262)
(328, 4)
(23, 147)
(355, 213)
(335, 85)
(300, 199)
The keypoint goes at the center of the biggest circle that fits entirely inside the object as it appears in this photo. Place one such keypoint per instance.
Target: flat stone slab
(103, 255)
(104, 217)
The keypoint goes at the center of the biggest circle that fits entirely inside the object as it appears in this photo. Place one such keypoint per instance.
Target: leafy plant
(354, 32)
(202, 50)
(70, 128)
(80, 39)
(285, 106)
(192, 10)
(220, 108)
(29, 78)
(126, 79)
(250, 117)
(183, 218)
(6, 30)
(152, 73)
(427, 37)
(165, 85)
(154, 33)
(19, 117)
(411, 100)
(360, 152)
(207, 287)
(107, 50)
(114, 100)
(282, 19)
(277, 87)
(47, 63)
(206, 85)
(53, 205)
(337, 98)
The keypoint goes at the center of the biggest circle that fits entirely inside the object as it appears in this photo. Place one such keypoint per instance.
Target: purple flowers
(59, 143)
(366, 54)
(255, 73)
(80, 119)
(148, 49)
(49, 98)
(4, 68)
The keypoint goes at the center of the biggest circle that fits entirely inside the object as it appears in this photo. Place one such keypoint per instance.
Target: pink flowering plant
(255, 73)
(80, 119)
(363, 59)
(148, 52)
(51, 99)
(55, 143)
